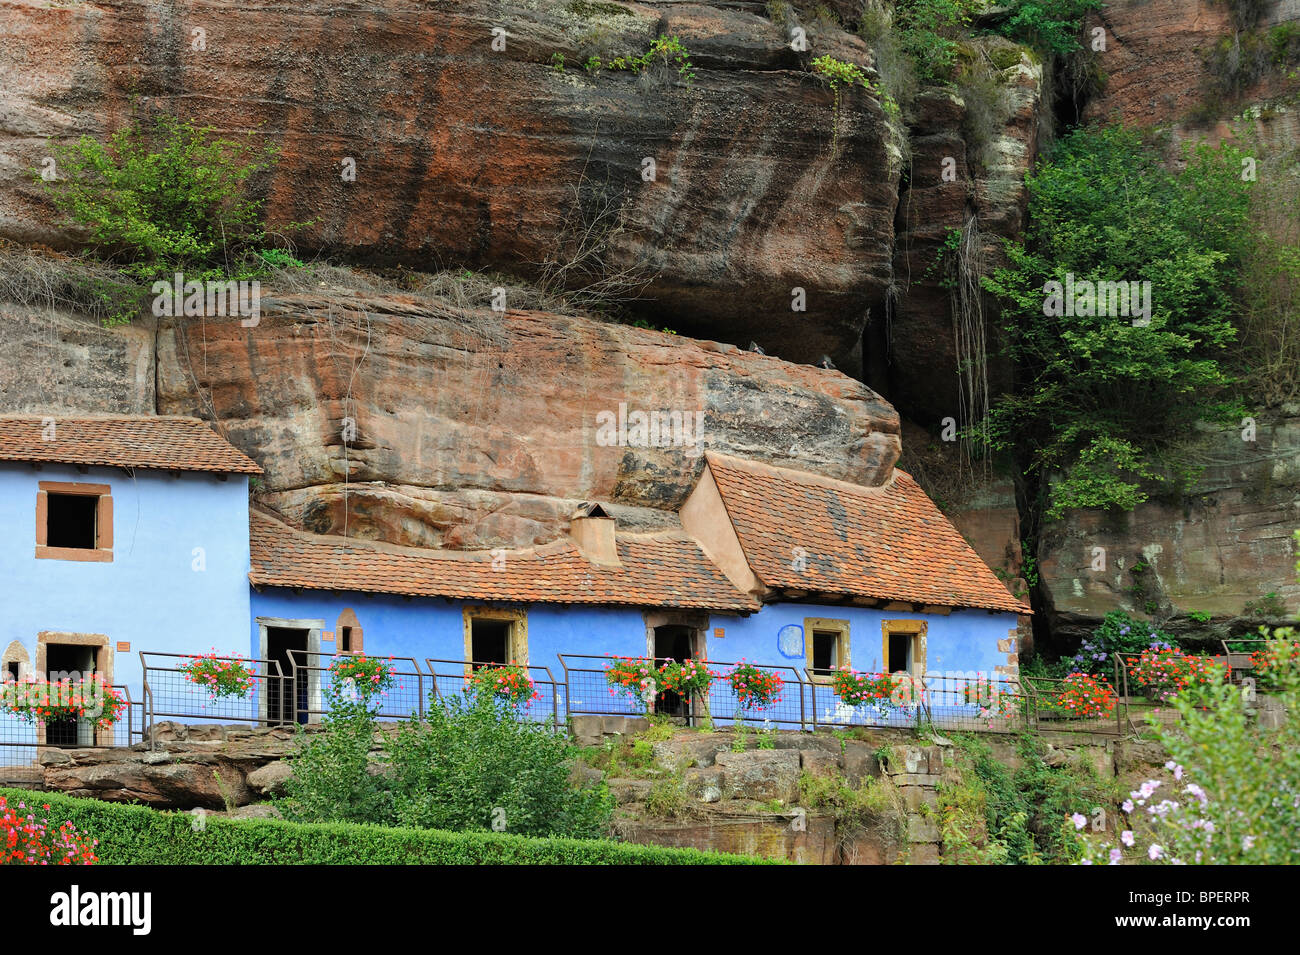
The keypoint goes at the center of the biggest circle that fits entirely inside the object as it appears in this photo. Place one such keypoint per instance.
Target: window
(74, 521)
(826, 646)
(903, 646)
(495, 636)
(17, 664)
(71, 520)
(490, 641)
(351, 639)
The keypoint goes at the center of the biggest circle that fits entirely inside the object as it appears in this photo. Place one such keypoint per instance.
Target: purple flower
(1155, 852)
(1126, 837)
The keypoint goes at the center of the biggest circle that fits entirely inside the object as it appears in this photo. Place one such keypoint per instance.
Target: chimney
(593, 531)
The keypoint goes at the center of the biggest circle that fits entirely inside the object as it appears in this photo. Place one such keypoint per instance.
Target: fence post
(1121, 705)
(568, 703)
(147, 715)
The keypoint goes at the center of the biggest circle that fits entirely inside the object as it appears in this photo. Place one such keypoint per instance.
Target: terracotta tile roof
(128, 441)
(659, 570)
(887, 542)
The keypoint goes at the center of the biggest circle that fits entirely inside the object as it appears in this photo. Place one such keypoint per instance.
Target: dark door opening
(674, 642)
(286, 699)
(489, 641)
(900, 653)
(66, 661)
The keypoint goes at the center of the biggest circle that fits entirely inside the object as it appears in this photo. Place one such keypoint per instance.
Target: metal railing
(311, 677)
(806, 699)
(170, 693)
(22, 743)
(827, 709)
(1240, 660)
(451, 677)
(977, 703)
(588, 691)
(1148, 698)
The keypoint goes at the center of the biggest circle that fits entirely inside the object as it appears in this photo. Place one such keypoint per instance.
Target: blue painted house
(127, 534)
(118, 534)
(778, 567)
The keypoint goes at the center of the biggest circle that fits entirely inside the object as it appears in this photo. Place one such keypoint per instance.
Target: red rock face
(469, 155)
(1154, 61)
(480, 429)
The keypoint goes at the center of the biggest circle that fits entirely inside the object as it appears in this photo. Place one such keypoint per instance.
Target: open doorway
(64, 661)
(287, 698)
(290, 698)
(76, 657)
(674, 642)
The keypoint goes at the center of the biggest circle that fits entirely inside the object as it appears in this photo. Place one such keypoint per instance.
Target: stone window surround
(843, 647)
(16, 653)
(103, 550)
(348, 618)
(917, 629)
(313, 628)
(103, 667)
(518, 620)
(693, 619)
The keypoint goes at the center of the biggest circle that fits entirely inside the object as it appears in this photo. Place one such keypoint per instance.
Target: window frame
(517, 650)
(102, 552)
(917, 630)
(843, 644)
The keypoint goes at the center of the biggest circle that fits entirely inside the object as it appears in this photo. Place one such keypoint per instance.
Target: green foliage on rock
(164, 197)
(1050, 26)
(1022, 810)
(1101, 397)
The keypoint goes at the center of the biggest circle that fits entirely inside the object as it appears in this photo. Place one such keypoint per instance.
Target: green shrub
(1103, 399)
(1023, 809)
(930, 31)
(136, 835)
(165, 198)
(1050, 26)
(472, 765)
(331, 779)
(1230, 795)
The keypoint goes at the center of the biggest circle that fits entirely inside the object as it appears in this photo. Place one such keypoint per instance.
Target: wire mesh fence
(587, 691)
(739, 692)
(1239, 656)
(214, 689)
(1150, 680)
(313, 677)
(827, 708)
(1072, 706)
(976, 703)
(452, 677)
(24, 735)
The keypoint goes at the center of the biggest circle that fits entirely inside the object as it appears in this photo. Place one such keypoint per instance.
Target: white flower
(1155, 852)
(1079, 820)
(1126, 837)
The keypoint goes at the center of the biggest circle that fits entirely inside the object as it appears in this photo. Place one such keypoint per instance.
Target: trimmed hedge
(137, 835)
